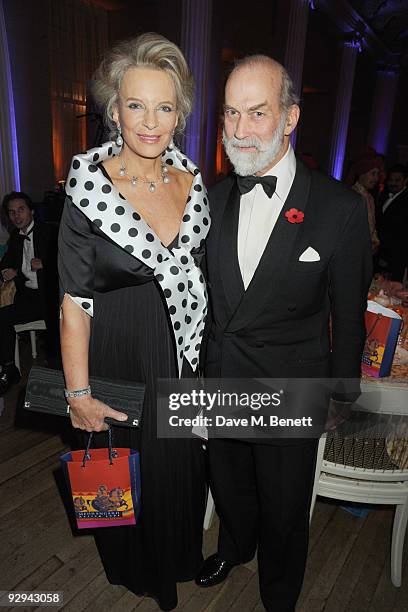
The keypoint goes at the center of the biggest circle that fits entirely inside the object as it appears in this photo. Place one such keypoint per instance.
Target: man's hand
(36, 264)
(89, 414)
(9, 274)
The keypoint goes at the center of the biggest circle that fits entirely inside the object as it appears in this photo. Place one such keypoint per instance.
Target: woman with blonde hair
(134, 300)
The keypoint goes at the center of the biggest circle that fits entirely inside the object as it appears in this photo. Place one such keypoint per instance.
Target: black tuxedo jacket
(392, 227)
(279, 326)
(45, 248)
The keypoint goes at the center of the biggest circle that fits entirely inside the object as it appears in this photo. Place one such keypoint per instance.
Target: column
(295, 46)
(196, 45)
(9, 165)
(342, 110)
(383, 107)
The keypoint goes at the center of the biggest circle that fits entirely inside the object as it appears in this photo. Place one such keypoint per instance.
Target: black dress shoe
(214, 571)
(9, 376)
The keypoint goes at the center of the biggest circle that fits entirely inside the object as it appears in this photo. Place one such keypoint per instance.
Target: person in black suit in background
(288, 248)
(392, 223)
(31, 261)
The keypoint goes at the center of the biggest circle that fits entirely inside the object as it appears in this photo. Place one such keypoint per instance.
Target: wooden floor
(348, 566)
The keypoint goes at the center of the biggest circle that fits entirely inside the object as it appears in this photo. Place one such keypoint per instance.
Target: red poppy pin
(294, 215)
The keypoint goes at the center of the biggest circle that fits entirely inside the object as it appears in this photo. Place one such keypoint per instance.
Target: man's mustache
(245, 142)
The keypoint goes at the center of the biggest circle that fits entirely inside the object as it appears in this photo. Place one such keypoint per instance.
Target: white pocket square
(310, 255)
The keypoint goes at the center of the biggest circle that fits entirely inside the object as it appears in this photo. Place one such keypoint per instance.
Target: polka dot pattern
(85, 304)
(176, 271)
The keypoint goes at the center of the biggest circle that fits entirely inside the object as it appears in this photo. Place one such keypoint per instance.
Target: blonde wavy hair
(148, 50)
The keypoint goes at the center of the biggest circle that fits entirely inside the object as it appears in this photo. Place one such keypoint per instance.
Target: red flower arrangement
(294, 215)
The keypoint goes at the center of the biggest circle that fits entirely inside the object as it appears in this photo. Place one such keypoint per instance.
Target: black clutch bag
(45, 393)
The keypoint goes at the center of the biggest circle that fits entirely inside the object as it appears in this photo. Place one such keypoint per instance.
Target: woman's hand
(89, 414)
(9, 273)
(36, 264)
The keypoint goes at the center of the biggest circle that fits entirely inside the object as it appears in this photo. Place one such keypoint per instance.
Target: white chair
(353, 463)
(32, 327)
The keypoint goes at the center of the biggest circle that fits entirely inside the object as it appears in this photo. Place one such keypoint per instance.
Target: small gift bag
(382, 326)
(104, 484)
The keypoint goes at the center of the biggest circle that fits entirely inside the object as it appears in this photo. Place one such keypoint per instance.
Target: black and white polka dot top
(176, 270)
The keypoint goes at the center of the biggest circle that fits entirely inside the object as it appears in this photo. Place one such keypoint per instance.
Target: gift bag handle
(87, 455)
(377, 318)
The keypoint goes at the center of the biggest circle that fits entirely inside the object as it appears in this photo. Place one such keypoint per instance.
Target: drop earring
(171, 143)
(119, 139)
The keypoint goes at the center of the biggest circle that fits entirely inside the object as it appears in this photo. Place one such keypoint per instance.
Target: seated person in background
(30, 260)
(392, 223)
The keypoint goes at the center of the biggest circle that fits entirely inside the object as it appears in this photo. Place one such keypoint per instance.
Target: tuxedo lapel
(396, 201)
(18, 250)
(37, 237)
(276, 257)
(228, 251)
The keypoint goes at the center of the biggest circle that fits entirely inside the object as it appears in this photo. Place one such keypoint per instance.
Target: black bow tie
(27, 235)
(247, 183)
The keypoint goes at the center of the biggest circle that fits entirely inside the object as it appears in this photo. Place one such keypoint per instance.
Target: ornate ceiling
(388, 19)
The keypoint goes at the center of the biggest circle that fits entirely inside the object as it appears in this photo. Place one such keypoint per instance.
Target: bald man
(288, 248)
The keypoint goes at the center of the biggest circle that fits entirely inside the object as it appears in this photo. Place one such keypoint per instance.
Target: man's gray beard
(246, 164)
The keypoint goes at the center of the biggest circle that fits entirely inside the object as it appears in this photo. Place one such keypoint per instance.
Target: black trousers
(28, 306)
(262, 494)
(396, 261)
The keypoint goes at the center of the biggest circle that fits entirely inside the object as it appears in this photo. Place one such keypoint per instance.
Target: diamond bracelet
(78, 392)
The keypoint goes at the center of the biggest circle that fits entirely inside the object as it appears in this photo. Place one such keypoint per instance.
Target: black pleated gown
(131, 339)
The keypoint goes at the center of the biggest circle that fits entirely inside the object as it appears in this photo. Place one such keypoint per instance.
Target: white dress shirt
(391, 199)
(258, 215)
(28, 255)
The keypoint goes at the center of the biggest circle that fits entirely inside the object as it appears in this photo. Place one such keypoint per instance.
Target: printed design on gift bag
(373, 350)
(104, 503)
(105, 485)
(383, 326)
(79, 504)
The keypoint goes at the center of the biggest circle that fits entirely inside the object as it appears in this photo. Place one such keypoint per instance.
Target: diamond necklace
(134, 180)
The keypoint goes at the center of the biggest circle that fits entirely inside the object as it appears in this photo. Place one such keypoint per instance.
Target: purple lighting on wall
(195, 42)
(337, 168)
(9, 112)
(382, 110)
(380, 141)
(13, 143)
(342, 110)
